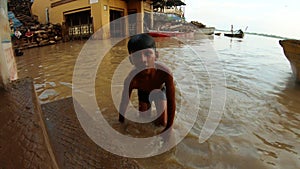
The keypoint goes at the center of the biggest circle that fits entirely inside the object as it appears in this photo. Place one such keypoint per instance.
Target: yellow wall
(140, 7)
(104, 15)
(57, 12)
(147, 6)
(96, 12)
(100, 16)
(38, 8)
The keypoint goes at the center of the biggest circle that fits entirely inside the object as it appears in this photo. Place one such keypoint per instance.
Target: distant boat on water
(291, 50)
(237, 34)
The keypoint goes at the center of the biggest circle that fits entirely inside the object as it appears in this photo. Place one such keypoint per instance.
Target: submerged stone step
(71, 145)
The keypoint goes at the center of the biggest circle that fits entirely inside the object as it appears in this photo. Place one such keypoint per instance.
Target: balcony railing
(81, 31)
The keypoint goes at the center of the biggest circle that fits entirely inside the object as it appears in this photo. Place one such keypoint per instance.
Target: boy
(150, 78)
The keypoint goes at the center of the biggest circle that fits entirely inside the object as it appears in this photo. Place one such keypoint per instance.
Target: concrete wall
(8, 68)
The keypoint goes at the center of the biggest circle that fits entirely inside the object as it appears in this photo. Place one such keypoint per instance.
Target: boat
(218, 34)
(155, 33)
(205, 30)
(291, 50)
(237, 34)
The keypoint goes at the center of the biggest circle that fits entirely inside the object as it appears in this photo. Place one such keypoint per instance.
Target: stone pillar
(140, 18)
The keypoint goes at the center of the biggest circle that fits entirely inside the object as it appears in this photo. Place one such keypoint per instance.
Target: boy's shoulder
(131, 75)
(163, 67)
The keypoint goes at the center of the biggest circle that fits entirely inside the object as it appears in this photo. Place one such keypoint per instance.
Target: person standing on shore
(153, 80)
(29, 36)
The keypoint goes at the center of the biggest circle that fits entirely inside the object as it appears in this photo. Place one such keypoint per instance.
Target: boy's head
(140, 42)
(142, 51)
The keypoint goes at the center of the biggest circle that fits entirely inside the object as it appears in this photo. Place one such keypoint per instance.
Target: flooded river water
(259, 127)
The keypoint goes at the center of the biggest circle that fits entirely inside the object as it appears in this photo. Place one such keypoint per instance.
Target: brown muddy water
(259, 127)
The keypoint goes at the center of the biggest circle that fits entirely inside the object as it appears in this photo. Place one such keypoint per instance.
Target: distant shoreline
(259, 34)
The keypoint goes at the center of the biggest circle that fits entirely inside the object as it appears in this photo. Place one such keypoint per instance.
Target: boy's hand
(121, 118)
(168, 135)
(166, 128)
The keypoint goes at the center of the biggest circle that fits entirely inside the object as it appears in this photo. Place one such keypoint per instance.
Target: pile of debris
(198, 24)
(163, 22)
(41, 34)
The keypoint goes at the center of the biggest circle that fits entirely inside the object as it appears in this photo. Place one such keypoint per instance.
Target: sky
(273, 17)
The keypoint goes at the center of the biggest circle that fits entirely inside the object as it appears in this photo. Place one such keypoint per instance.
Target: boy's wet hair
(140, 42)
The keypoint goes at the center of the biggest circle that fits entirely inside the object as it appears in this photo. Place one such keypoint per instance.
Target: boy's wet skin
(152, 79)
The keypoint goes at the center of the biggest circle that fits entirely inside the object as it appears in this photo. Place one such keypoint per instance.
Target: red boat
(154, 33)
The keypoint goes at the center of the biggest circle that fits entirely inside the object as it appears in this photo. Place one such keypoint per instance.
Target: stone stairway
(23, 141)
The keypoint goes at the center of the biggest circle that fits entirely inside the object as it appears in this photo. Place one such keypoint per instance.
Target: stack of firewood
(43, 34)
(46, 34)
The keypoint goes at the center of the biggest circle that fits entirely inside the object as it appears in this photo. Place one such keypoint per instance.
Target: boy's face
(144, 59)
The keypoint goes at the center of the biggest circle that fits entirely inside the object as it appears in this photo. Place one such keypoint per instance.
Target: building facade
(85, 17)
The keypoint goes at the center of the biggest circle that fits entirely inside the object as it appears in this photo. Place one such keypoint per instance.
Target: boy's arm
(127, 89)
(171, 104)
